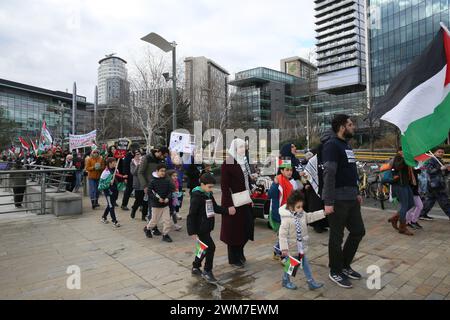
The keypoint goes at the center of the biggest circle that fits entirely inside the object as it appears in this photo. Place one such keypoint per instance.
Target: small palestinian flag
(200, 249)
(418, 100)
(291, 266)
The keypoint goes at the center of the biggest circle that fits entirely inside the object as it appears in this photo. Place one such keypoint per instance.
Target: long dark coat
(238, 229)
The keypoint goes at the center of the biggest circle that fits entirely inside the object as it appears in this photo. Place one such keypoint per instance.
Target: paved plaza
(35, 252)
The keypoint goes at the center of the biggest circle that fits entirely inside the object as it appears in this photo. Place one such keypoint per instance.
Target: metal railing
(30, 186)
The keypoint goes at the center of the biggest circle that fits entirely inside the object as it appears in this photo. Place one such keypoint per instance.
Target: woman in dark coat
(236, 228)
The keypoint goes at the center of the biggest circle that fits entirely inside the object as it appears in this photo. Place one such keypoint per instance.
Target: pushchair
(260, 198)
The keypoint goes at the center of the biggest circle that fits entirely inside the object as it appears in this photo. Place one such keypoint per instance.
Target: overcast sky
(51, 43)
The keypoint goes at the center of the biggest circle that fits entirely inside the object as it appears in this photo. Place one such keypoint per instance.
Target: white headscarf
(235, 145)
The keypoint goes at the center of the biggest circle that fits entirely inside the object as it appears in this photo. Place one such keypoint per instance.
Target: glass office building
(399, 31)
(29, 106)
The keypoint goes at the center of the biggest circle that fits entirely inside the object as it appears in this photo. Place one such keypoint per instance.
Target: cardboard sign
(182, 142)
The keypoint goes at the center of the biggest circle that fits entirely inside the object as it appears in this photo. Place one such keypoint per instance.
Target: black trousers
(236, 254)
(127, 193)
(209, 257)
(139, 201)
(18, 195)
(347, 214)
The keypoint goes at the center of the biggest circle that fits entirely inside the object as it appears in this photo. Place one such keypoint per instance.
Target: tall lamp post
(164, 45)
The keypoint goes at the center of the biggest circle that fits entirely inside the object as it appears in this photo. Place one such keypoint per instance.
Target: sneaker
(196, 271)
(417, 225)
(116, 224)
(286, 282)
(350, 273)
(125, 208)
(105, 221)
(412, 226)
(148, 233)
(167, 238)
(276, 257)
(340, 280)
(177, 227)
(313, 285)
(426, 217)
(179, 217)
(209, 277)
(238, 264)
(156, 232)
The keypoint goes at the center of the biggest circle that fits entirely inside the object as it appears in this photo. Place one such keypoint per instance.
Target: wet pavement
(35, 252)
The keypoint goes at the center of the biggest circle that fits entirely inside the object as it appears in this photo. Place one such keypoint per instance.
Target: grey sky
(51, 43)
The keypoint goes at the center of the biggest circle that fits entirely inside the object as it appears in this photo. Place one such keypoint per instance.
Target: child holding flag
(200, 223)
(293, 238)
(108, 181)
(281, 188)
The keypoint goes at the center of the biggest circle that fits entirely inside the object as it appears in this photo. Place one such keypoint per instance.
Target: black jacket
(162, 187)
(197, 221)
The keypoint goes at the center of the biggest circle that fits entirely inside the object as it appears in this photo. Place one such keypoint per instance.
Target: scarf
(241, 160)
(298, 228)
(285, 188)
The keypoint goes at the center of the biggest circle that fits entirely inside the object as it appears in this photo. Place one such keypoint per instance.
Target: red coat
(238, 229)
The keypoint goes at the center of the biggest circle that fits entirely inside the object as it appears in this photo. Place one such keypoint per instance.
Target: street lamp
(166, 46)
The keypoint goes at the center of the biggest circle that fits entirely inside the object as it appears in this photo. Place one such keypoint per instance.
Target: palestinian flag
(200, 249)
(418, 100)
(291, 266)
(35, 148)
(25, 144)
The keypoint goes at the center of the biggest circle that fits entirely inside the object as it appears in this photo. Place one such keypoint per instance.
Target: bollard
(43, 202)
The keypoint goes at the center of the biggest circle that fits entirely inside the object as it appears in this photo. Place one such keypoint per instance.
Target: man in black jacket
(200, 223)
(126, 170)
(342, 201)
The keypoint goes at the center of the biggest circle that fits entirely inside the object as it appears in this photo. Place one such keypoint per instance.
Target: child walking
(107, 184)
(200, 223)
(175, 202)
(281, 188)
(160, 192)
(293, 236)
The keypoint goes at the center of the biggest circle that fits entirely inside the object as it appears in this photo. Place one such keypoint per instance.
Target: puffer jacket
(288, 232)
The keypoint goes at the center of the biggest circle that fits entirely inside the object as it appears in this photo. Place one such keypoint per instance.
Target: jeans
(405, 197)
(347, 214)
(78, 179)
(109, 206)
(209, 257)
(436, 195)
(93, 189)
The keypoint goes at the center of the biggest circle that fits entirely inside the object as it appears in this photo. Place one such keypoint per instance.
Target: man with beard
(342, 202)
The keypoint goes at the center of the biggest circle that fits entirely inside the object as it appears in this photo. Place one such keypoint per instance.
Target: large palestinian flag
(418, 100)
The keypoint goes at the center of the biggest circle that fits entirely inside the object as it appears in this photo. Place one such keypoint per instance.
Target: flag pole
(443, 26)
(431, 154)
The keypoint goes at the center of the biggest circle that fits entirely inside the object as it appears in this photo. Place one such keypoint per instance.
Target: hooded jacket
(161, 187)
(197, 221)
(288, 231)
(148, 165)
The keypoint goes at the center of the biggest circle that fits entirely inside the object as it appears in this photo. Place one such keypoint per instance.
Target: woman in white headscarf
(237, 227)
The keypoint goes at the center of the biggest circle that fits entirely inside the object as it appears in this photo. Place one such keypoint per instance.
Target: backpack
(387, 172)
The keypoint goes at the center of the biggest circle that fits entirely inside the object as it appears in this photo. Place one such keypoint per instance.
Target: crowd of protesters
(157, 178)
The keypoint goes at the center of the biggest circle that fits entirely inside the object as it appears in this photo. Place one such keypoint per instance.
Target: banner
(83, 140)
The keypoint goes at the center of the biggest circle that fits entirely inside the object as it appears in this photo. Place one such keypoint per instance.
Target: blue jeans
(78, 178)
(307, 269)
(406, 198)
(93, 189)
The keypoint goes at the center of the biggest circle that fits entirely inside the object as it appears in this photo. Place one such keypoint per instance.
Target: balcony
(328, 54)
(333, 7)
(322, 4)
(336, 13)
(337, 36)
(337, 28)
(337, 59)
(340, 66)
(339, 43)
(350, 16)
